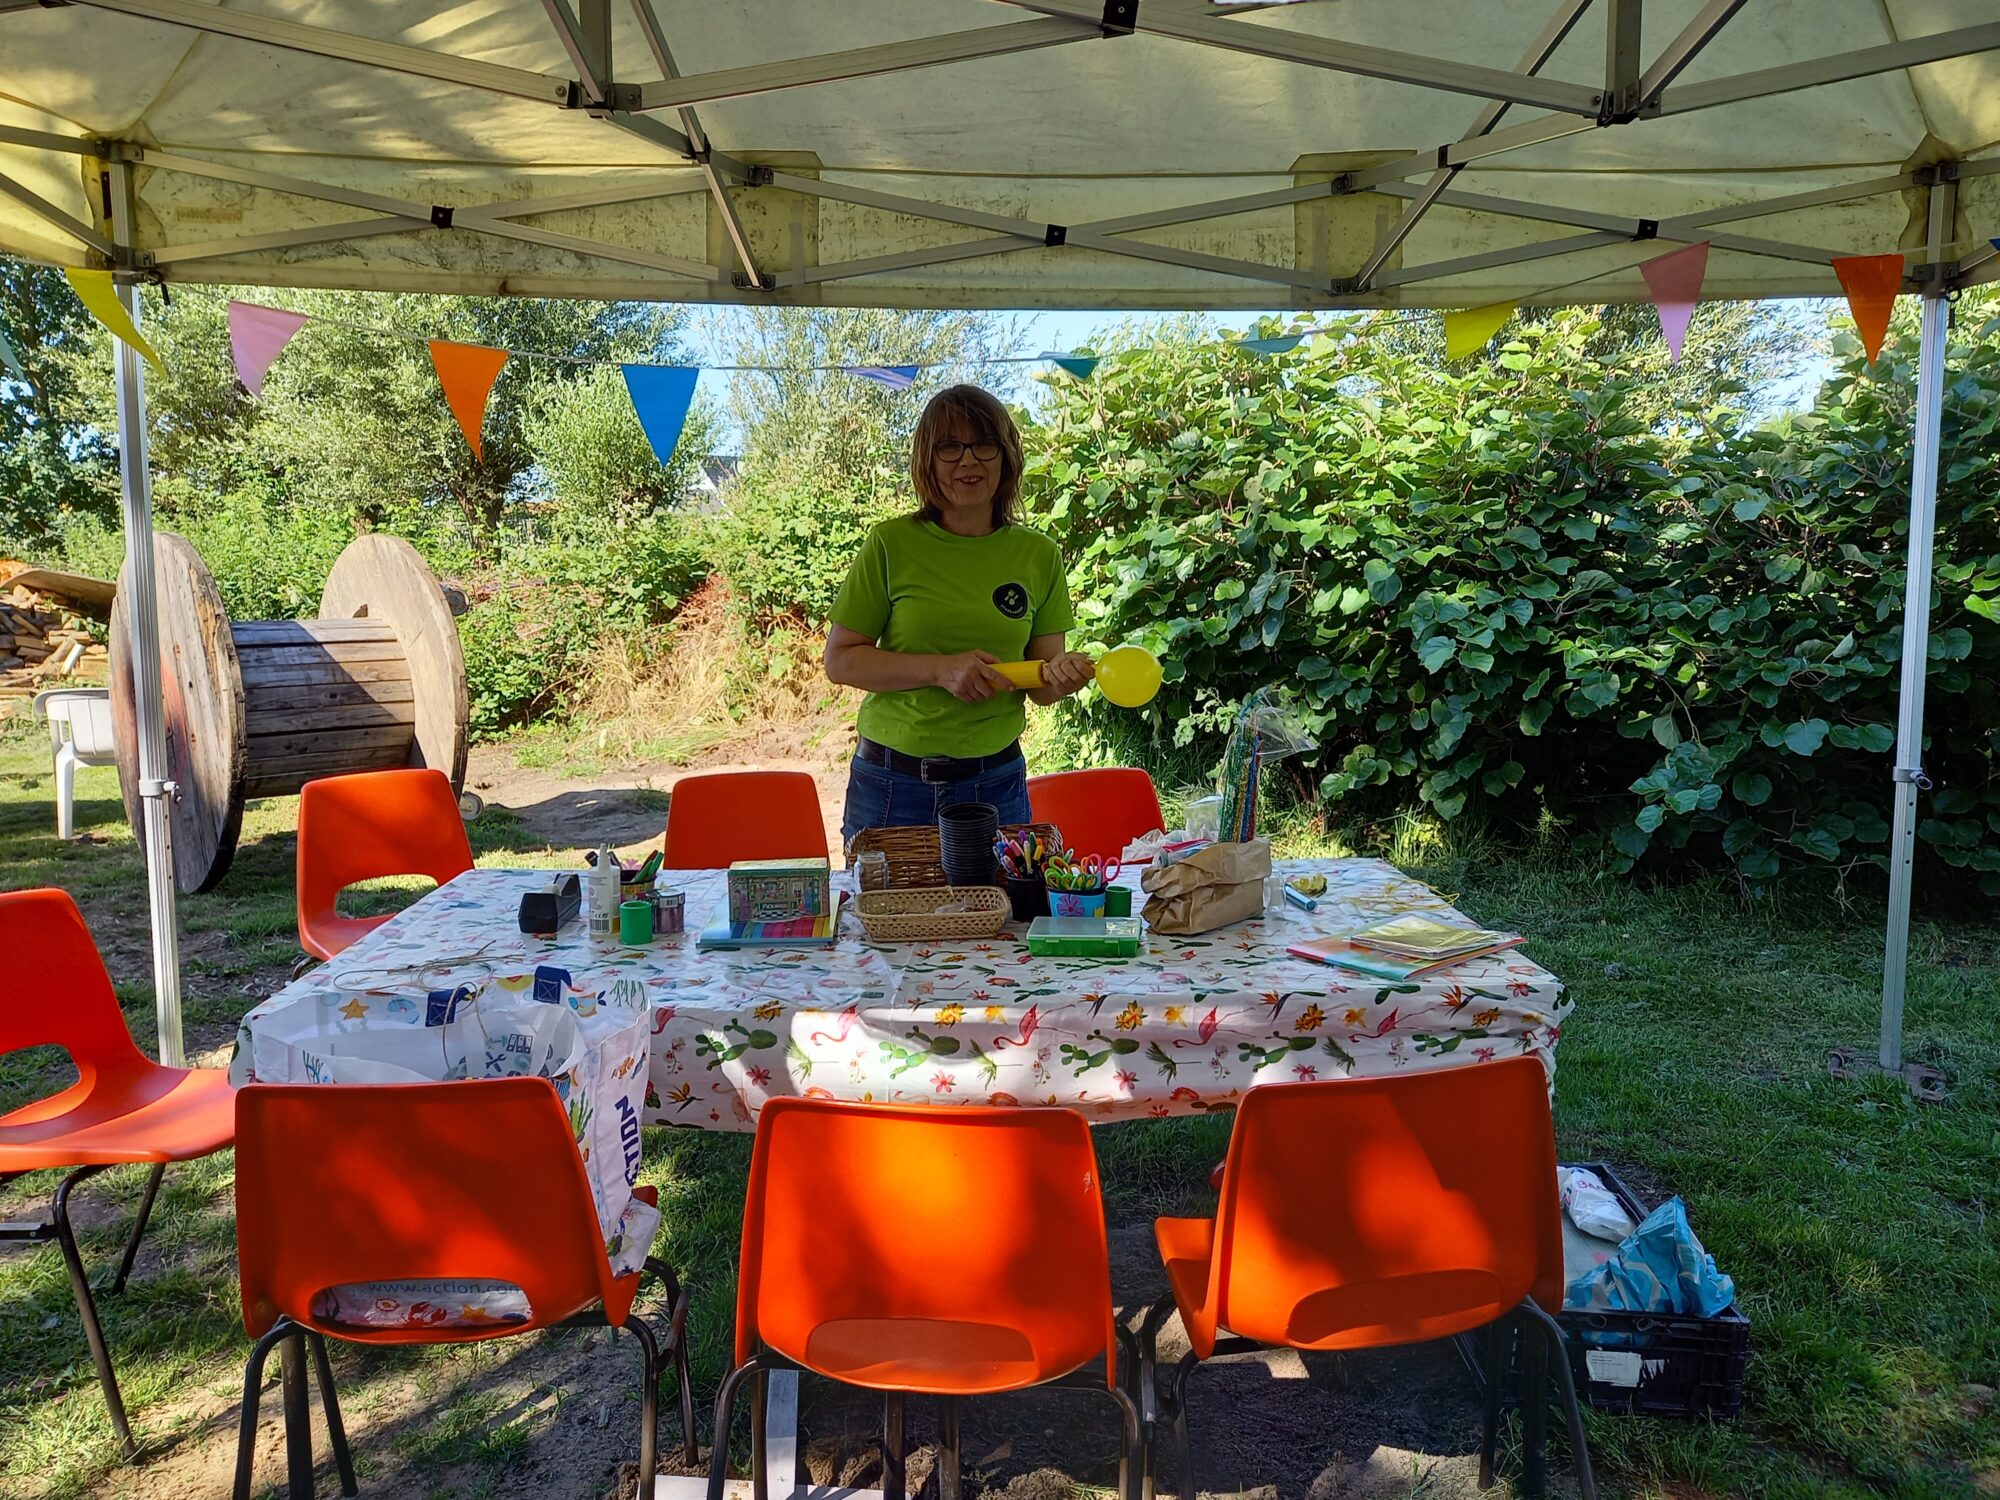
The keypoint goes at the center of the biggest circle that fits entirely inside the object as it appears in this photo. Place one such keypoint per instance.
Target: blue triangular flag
(10, 359)
(1284, 345)
(895, 377)
(1079, 365)
(661, 395)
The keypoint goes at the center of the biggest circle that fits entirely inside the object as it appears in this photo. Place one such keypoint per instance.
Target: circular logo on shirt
(1011, 600)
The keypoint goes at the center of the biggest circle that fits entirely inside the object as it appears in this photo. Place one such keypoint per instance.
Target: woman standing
(932, 601)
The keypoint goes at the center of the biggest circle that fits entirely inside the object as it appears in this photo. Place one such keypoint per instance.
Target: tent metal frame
(1630, 92)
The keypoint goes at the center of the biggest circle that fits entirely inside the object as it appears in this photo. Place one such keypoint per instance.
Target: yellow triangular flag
(97, 294)
(1468, 330)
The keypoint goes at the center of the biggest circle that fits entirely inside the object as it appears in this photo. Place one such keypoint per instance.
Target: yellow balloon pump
(1127, 675)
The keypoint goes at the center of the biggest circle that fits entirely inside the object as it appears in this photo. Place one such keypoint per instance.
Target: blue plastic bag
(1659, 1268)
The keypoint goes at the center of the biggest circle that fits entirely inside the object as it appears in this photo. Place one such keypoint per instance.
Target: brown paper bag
(1210, 888)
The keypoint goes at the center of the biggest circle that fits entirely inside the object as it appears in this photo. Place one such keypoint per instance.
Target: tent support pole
(142, 610)
(1941, 193)
(1908, 772)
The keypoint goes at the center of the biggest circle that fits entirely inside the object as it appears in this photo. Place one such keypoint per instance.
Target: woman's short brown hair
(989, 420)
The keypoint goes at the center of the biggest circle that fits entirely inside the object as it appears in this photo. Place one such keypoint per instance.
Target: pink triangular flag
(1675, 281)
(256, 337)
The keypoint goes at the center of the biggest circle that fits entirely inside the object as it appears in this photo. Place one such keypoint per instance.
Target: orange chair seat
(1425, 1305)
(155, 1115)
(945, 1356)
(1187, 1247)
(325, 934)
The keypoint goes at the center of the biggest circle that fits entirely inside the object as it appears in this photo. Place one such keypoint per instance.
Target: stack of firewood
(44, 643)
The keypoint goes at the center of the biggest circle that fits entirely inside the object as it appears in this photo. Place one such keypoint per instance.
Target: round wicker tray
(913, 916)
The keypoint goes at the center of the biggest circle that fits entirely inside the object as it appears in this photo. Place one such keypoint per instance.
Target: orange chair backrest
(1099, 812)
(479, 1179)
(372, 824)
(54, 991)
(1355, 1211)
(891, 1211)
(722, 816)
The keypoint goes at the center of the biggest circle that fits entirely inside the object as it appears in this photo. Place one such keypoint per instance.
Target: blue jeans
(878, 797)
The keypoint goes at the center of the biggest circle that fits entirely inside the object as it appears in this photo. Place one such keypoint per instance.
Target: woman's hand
(1066, 674)
(968, 676)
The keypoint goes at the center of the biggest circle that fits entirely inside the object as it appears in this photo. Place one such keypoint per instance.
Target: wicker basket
(913, 916)
(913, 852)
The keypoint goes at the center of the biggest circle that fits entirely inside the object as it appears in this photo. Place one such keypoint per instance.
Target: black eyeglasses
(951, 453)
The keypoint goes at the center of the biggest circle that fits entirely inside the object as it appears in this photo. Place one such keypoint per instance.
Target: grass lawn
(1859, 1226)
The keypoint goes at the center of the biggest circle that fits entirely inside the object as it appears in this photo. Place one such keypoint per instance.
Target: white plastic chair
(79, 722)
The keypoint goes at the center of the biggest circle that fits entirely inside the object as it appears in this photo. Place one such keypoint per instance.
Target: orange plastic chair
(1099, 812)
(719, 817)
(949, 1251)
(366, 826)
(473, 1180)
(1358, 1213)
(122, 1108)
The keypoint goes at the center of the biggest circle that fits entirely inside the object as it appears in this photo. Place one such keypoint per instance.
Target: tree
(594, 457)
(58, 454)
(796, 413)
(351, 415)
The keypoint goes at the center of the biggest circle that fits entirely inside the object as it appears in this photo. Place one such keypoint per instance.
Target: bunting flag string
(467, 373)
(1871, 283)
(661, 395)
(1675, 282)
(895, 377)
(96, 292)
(12, 361)
(257, 335)
(1469, 331)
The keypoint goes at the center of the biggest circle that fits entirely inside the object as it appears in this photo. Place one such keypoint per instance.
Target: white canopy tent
(1008, 153)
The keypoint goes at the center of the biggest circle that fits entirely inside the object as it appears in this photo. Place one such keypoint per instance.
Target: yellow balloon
(1129, 675)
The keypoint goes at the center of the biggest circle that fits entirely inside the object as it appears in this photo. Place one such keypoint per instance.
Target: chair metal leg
(950, 1470)
(1534, 1356)
(1149, 1395)
(894, 1486)
(1586, 1481)
(725, 1407)
(86, 1307)
(298, 1416)
(329, 1401)
(253, 1390)
(760, 1439)
(678, 1300)
(1497, 1337)
(1131, 1444)
(138, 1229)
(649, 1405)
(1177, 1413)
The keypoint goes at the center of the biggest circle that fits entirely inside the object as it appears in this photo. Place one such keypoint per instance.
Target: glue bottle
(604, 894)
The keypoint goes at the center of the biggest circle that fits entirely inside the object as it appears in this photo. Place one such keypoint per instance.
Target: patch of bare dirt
(623, 807)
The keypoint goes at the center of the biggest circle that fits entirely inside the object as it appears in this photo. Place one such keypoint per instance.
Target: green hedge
(1501, 592)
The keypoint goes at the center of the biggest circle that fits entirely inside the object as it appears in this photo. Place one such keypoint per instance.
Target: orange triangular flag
(467, 373)
(1871, 283)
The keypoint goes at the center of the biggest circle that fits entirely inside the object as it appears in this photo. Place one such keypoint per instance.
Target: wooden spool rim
(379, 577)
(207, 755)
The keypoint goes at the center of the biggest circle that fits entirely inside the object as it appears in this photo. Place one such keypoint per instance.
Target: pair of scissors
(1103, 868)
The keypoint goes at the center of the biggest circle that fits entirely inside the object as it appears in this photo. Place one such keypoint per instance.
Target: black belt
(935, 767)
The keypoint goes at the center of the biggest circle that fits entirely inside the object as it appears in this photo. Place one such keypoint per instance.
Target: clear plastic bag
(1267, 728)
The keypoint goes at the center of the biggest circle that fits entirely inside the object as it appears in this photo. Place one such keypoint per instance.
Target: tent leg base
(1926, 1085)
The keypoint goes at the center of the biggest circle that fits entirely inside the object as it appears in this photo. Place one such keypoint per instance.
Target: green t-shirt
(916, 587)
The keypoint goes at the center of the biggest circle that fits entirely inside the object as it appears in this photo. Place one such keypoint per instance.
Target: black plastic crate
(1646, 1364)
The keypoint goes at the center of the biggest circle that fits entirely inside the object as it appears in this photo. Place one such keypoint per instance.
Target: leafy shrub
(789, 535)
(1501, 592)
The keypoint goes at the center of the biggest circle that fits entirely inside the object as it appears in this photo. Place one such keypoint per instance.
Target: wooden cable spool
(259, 708)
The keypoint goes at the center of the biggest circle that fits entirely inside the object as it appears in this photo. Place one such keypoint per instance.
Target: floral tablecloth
(1184, 1027)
